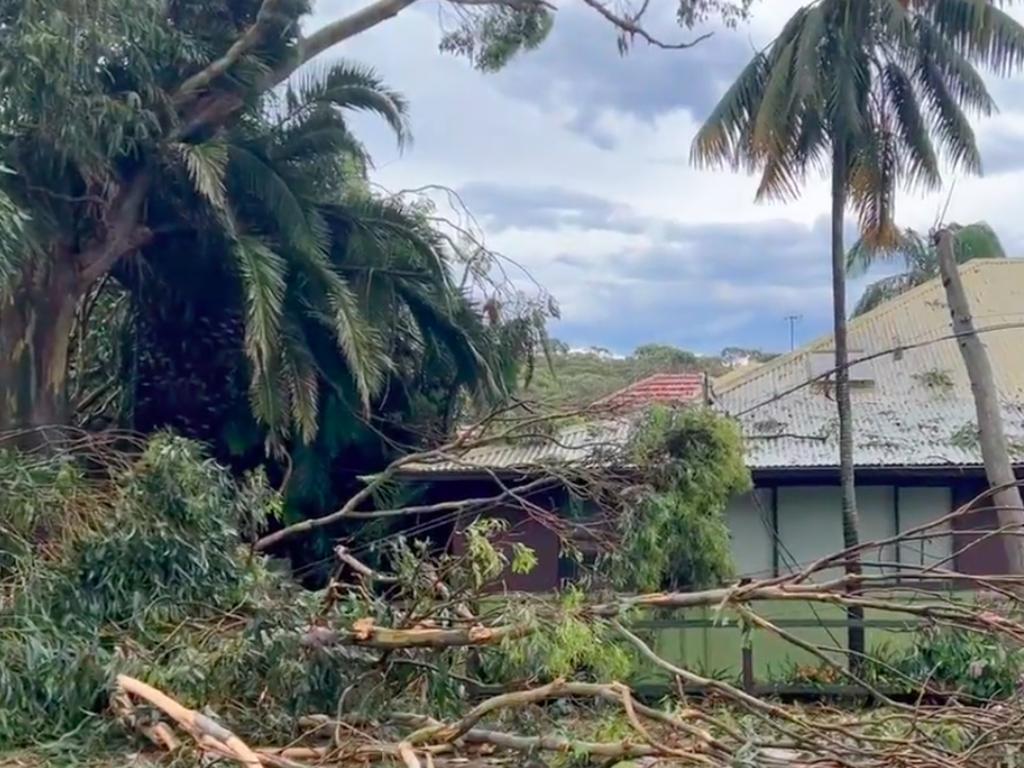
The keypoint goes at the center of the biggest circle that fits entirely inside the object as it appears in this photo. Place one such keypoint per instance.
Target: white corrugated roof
(918, 409)
(917, 412)
(580, 444)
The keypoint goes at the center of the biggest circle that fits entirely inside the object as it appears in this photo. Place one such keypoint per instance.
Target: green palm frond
(722, 139)
(206, 165)
(260, 180)
(983, 31)
(385, 230)
(359, 341)
(910, 248)
(949, 123)
(886, 289)
(264, 277)
(807, 65)
(773, 113)
(960, 75)
(300, 376)
(887, 81)
(920, 260)
(346, 85)
(461, 335)
(920, 165)
(977, 241)
(318, 134)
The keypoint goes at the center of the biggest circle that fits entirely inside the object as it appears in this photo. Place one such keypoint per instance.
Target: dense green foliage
(104, 572)
(971, 663)
(918, 256)
(139, 566)
(673, 529)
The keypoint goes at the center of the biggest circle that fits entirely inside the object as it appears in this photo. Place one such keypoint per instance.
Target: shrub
(673, 528)
(140, 571)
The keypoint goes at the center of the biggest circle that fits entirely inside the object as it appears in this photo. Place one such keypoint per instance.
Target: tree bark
(35, 330)
(994, 451)
(847, 480)
(37, 317)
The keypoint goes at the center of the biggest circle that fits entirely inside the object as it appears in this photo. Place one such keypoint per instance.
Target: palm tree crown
(891, 81)
(338, 285)
(919, 259)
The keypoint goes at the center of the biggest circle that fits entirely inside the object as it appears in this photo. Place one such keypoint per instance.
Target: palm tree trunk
(848, 495)
(994, 451)
(35, 330)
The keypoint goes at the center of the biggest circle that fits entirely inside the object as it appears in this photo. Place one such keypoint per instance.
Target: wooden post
(748, 667)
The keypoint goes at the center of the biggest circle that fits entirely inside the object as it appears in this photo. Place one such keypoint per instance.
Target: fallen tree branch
(365, 634)
(207, 732)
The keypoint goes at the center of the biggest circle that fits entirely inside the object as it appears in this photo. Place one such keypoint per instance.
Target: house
(476, 474)
(916, 450)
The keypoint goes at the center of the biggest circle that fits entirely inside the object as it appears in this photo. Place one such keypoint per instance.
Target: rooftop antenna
(793, 320)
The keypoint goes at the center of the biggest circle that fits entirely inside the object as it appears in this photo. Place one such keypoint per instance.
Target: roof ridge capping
(634, 393)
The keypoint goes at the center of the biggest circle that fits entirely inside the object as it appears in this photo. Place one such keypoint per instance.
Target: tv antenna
(793, 320)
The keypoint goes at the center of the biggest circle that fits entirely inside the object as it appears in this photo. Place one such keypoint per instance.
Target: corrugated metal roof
(580, 444)
(916, 412)
(659, 388)
(918, 409)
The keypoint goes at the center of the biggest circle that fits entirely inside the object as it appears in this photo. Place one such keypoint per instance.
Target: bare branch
(250, 39)
(630, 26)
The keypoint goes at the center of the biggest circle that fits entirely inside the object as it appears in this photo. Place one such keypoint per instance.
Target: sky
(574, 162)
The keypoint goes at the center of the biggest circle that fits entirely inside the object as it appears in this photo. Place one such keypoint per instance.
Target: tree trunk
(36, 320)
(994, 451)
(848, 494)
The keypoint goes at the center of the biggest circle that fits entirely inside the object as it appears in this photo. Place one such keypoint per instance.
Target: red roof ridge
(659, 388)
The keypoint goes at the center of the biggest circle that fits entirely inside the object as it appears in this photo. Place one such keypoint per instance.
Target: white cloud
(666, 252)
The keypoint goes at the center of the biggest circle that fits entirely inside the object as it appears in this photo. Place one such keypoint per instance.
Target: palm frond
(721, 139)
(920, 260)
(291, 213)
(887, 289)
(807, 64)
(263, 275)
(919, 162)
(346, 85)
(896, 23)
(360, 343)
(981, 30)
(459, 334)
(392, 231)
(300, 376)
(773, 113)
(909, 247)
(949, 122)
(321, 133)
(872, 182)
(206, 165)
(962, 79)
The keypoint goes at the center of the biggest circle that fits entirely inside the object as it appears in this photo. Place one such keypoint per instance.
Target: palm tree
(920, 260)
(870, 90)
(324, 268)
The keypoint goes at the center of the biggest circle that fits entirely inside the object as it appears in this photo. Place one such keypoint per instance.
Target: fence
(714, 644)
